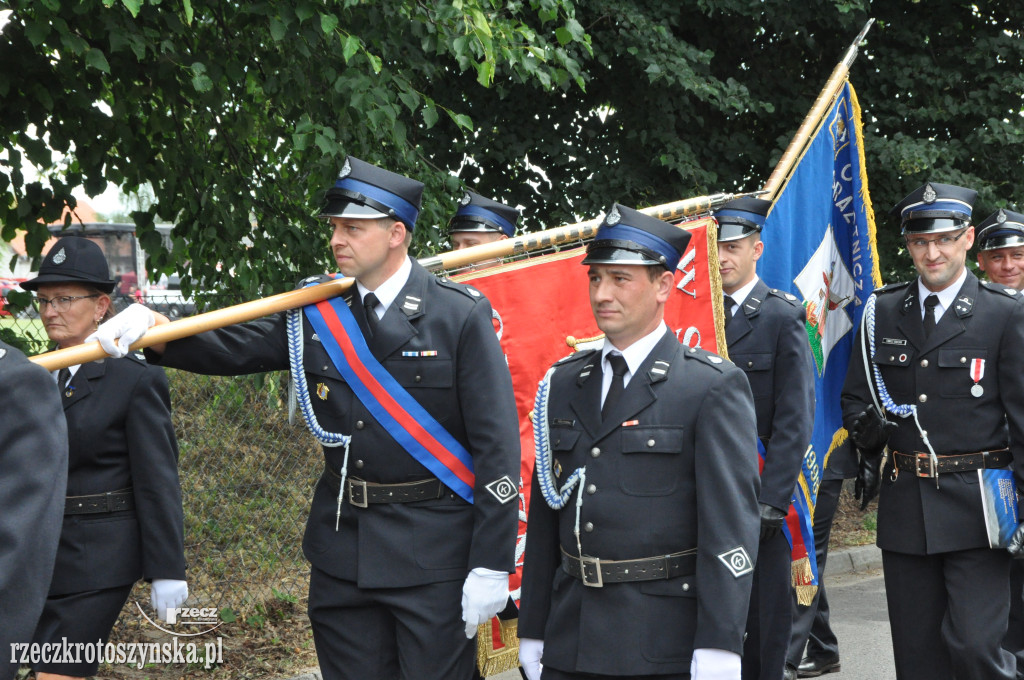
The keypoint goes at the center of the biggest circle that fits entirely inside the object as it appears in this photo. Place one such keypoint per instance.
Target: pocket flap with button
(652, 439)
(886, 356)
(421, 372)
(563, 440)
(960, 357)
(681, 586)
(756, 361)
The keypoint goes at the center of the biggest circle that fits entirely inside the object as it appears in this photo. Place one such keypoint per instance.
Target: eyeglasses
(941, 242)
(60, 304)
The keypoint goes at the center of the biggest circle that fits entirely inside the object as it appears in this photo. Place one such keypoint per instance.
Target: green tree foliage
(240, 113)
(685, 99)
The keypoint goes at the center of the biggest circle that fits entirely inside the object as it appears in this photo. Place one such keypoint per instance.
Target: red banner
(542, 313)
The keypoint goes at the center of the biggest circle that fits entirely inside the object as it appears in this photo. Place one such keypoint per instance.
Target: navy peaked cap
(741, 217)
(364, 191)
(935, 208)
(478, 213)
(628, 236)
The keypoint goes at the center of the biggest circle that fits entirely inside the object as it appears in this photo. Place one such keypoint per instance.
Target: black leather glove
(1016, 546)
(771, 521)
(870, 431)
(868, 478)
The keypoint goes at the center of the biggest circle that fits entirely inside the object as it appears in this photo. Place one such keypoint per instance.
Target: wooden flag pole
(254, 309)
(809, 126)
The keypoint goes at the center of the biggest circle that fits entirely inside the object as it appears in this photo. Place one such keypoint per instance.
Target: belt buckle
(359, 484)
(595, 564)
(929, 470)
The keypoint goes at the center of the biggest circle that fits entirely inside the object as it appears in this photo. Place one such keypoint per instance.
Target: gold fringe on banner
(802, 575)
(491, 660)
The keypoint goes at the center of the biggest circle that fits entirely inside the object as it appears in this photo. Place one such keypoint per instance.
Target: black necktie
(619, 369)
(929, 314)
(63, 375)
(370, 305)
(729, 303)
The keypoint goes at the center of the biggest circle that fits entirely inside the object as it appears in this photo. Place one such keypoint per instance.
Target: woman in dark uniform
(122, 517)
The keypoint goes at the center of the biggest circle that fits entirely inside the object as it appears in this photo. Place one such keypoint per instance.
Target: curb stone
(854, 560)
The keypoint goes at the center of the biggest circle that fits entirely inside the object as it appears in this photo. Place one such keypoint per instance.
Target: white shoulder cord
(328, 439)
(555, 498)
(901, 410)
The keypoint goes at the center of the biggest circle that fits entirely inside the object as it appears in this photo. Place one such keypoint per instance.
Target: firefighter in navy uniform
(480, 220)
(766, 336)
(946, 351)
(403, 568)
(33, 479)
(1001, 257)
(644, 568)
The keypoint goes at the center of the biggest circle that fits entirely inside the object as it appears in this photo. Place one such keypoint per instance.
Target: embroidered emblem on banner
(737, 560)
(827, 287)
(503, 489)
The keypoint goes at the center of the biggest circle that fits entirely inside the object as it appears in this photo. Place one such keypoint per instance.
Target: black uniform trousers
(966, 644)
(388, 633)
(810, 623)
(771, 612)
(1014, 640)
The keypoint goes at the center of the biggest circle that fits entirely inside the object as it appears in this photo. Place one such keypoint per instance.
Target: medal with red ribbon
(977, 373)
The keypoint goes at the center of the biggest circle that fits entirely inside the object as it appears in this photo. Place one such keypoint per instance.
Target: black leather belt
(596, 572)
(111, 501)
(361, 493)
(921, 464)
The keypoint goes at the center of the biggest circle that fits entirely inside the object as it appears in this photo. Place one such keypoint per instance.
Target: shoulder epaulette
(467, 290)
(709, 358)
(315, 278)
(788, 297)
(137, 356)
(575, 356)
(893, 287)
(1000, 288)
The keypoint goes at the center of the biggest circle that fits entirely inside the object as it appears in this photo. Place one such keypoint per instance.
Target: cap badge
(346, 170)
(1001, 217)
(929, 195)
(60, 257)
(466, 199)
(613, 217)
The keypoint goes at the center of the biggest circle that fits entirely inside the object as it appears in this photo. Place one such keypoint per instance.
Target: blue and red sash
(798, 529)
(389, 403)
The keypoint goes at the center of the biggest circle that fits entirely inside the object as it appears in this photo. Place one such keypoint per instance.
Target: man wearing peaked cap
(946, 369)
(766, 335)
(1001, 257)
(643, 508)
(483, 219)
(412, 531)
(480, 220)
(1001, 248)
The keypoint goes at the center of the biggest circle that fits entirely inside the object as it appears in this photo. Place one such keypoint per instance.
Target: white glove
(117, 335)
(167, 594)
(530, 652)
(712, 664)
(484, 594)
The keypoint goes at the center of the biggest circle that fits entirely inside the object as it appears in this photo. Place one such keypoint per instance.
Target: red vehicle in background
(7, 286)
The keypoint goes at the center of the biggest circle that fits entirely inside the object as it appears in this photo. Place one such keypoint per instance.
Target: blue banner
(820, 246)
